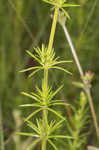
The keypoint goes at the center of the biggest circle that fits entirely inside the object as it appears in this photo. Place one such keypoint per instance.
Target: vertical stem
(45, 82)
(87, 90)
(45, 120)
(1, 130)
(44, 144)
(51, 39)
(44, 98)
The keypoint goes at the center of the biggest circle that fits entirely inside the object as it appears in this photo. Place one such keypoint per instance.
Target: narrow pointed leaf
(33, 56)
(30, 105)
(31, 96)
(35, 71)
(32, 114)
(52, 144)
(61, 62)
(27, 134)
(56, 113)
(33, 126)
(36, 95)
(70, 5)
(57, 125)
(66, 14)
(46, 1)
(61, 137)
(38, 51)
(54, 101)
(52, 95)
(54, 104)
(78, 84)
(60, 68)
(29, 69)
(34, 143)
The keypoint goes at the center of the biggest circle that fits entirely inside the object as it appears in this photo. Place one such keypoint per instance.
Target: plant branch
(87, 90)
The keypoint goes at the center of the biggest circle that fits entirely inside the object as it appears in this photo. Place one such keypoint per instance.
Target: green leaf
(70, 5)
(60, 68)
(47, 1)
(52, 95)
(30, 147)
(57, 125)
(31, 96)
(33, 56)
(33, 126)
(30, 105)
(54, 104)
(61, 62)
(27, 134)
(32, 114)
(78, 84)
(66, 13)
(38, 51)
(54, 101)
(56, 113)
(53, 145)
(36, 95)
(61, 136)
(35, 71)
(39, 92)
(31, 68)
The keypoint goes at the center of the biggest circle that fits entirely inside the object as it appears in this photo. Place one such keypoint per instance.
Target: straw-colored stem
(87, 90)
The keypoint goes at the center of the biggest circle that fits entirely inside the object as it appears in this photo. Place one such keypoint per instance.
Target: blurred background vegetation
(25, 24)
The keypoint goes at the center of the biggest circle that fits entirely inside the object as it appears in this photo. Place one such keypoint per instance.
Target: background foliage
(24, 25)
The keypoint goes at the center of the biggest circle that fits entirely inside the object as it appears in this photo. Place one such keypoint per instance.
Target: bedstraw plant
(44, 97)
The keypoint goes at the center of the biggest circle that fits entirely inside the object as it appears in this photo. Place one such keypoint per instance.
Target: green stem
(44, 144)
(45, 82)
(1, 131)
(51, 39)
